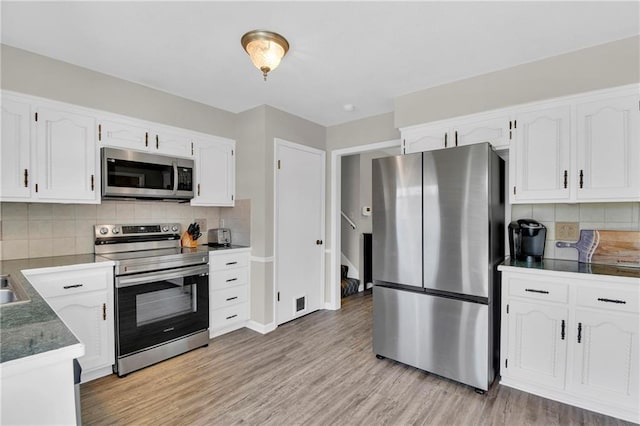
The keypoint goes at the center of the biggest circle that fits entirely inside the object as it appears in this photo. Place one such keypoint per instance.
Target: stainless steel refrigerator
(438, 236)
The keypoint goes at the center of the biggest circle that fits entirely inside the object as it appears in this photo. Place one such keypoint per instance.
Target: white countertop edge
(229, 250)
(574, 275)
(70, 267)
(43, 359)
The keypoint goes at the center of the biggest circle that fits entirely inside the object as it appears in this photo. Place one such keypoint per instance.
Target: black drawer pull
(602, 299)
(232, 298)
(232, 279)
(67, 287)
(533, 290)
(562, 331)
(232, 316)
(231, 263)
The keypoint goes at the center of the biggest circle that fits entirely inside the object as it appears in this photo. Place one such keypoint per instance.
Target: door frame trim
(277, 142)
(334, 250)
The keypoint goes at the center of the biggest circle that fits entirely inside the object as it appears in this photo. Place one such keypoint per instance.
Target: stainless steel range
(161, 292)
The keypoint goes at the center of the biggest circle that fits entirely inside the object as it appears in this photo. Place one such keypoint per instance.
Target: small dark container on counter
(526, 240)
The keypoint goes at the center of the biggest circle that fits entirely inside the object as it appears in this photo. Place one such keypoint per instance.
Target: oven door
(157, 307)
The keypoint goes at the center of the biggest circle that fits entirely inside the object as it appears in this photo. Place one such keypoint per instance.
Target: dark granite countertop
(32, 327)
(557, 265)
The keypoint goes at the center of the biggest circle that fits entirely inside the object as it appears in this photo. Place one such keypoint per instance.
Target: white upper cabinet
(215, 172)
(49, 152)
(461, 131)
(66, 156)
(540, 155)
(608, 149)
(123, 134)
(139, 135)
(15, 150)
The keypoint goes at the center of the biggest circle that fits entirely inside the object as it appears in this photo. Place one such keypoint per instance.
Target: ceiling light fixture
(265, 48)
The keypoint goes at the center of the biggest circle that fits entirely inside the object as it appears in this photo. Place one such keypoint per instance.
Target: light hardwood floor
(319, 370)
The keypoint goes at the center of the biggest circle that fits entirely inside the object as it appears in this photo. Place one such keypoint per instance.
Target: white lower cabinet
(229, 296)
(573, 338)
(82, 296)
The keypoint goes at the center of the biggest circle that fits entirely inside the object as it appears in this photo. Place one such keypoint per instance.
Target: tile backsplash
(39, 229)
(604, 216)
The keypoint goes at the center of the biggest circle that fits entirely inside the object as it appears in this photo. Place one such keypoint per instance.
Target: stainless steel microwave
(131, 174)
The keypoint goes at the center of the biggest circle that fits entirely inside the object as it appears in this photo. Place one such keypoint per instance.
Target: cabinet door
(537, 343)
(215, 173)
(495, 131)
(66, 157)
(541, 156)
(123, 135)
(170, 142)
(608, 149)
(15, 151)
(605, 357)
(425, 138)
(90, 317)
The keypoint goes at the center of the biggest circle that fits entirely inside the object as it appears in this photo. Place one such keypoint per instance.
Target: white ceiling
(360, 53)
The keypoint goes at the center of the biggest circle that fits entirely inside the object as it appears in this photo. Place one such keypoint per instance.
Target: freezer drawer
(448, 337)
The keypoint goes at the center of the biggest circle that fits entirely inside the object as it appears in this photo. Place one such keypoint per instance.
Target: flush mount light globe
(265, 48)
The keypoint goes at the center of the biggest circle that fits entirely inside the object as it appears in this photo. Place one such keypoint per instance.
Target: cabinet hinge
(36, 116)
(506, 363)
(93, 182)
(146, 138)
(191, 148)
(278, 164)
(232, 152)
(99, 132)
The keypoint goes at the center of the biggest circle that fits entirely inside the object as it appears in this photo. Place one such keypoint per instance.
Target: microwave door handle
(175, 178)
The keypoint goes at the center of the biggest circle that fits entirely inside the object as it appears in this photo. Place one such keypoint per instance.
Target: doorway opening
(351, 215)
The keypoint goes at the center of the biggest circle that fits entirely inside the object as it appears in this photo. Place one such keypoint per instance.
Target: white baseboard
(260, 328)
(330, 306)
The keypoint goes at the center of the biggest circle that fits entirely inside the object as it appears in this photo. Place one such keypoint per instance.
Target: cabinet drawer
(71, 282)
(539, 290)
(622, 300)
(228, 278)
(229, 296)
(230, 260)
(224, 317)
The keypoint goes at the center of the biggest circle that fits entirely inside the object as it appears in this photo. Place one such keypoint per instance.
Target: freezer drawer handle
(533, 290)
(602, 299)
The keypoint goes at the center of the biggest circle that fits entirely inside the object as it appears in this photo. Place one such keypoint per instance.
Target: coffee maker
(526, 240)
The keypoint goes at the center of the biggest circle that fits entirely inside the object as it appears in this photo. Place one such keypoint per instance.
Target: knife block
(187, 241)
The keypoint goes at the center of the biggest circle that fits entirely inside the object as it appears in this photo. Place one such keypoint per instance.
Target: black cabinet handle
(456, 138)
(231, 263)
(602, 299)
(26, 178)
(581, 178)
(533, 290)
(232, 279)
(67, 287)
(232, 316)
(445, 140)
(579, 332)
(565, 179)
(231, 298)
(562, 330)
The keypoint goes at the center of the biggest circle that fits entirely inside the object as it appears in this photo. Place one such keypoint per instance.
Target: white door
(122, 134)
(425, 138)
(608, 149)
(540, 156)
(215, 172)
(66, 156)
(605, 359)
(15, 151)
(537, 343)
(299, 230)
(496, 131)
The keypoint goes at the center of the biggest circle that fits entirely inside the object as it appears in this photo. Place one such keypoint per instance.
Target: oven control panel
(127, 231)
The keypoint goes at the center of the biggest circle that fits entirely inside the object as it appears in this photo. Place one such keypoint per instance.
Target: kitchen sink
(11, 292)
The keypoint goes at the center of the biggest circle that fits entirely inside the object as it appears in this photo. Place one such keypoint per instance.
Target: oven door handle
(131, 280)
